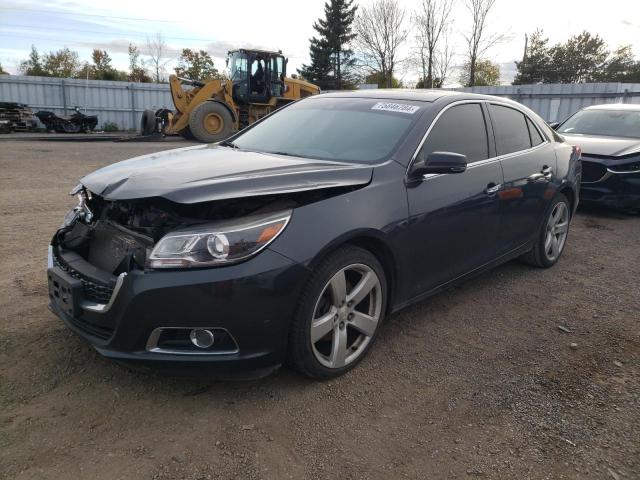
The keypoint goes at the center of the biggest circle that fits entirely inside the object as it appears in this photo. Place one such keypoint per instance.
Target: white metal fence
(554, 101)
(121, 103)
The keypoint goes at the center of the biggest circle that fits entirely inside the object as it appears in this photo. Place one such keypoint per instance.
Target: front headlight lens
(217, 244)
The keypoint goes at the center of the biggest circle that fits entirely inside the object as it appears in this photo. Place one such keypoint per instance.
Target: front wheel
(552, 236)
(210, 122)
(339, 314)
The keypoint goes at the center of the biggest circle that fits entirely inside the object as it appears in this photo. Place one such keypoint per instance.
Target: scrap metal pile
(16, 117)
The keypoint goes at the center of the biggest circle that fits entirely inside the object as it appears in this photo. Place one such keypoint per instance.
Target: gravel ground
(477, 382)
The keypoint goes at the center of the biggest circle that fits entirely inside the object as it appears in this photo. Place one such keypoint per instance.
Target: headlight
(217, 244)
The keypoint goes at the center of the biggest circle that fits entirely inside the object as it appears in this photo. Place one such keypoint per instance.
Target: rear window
(342, 129)
(510, 129)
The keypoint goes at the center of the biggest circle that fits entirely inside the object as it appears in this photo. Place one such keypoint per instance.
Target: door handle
(492, 189)
(545, 174)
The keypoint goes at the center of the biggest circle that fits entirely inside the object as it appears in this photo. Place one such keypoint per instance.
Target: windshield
(614, 123)
(342, 129)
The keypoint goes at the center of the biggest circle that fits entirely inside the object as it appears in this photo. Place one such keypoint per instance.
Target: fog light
(201, 338)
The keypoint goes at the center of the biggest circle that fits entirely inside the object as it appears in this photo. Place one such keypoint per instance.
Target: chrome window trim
(478, 162)
(152, 343)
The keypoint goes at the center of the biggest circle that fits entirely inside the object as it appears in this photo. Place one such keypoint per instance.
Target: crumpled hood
(210, 172)
(610, 146)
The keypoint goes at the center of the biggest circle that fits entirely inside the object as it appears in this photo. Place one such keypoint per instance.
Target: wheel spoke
(562, 227)
(338, 285)
(321, 326)
(555, 246)
(339, 347)
(547, 242)
(364, 323)
(367, 283)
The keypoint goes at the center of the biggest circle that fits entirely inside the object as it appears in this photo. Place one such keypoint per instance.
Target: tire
(69, 127)
(210, 122)
(545, 254)
(148, 122)
(186, 134)
(327, 336)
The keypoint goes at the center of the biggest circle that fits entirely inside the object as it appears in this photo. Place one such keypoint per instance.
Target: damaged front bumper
(248, 306)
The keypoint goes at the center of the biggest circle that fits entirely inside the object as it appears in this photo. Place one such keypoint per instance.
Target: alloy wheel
(346, 315)
(556, 231)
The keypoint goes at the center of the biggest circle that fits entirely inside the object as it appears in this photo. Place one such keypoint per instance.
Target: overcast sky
(281, 24)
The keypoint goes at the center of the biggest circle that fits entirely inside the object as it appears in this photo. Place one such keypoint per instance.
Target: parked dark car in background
(295, 238)
(609, 136)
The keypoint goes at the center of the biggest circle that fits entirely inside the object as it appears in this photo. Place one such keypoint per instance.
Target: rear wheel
(339, 314)
(211, 122)
(552, 236)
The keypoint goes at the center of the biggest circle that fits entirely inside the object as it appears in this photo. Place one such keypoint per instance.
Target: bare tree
(158, 53)
(380, 32)
(431, 22)
(478, 40)
(443, 59)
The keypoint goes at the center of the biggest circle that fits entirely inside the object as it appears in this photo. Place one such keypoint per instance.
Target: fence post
(63, 91)
(131, 88)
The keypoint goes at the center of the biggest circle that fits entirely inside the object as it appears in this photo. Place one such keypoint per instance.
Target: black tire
(148, 122)
(538, 256)
(210, 122)
(69, 127)
(186, 134)
(301, 350)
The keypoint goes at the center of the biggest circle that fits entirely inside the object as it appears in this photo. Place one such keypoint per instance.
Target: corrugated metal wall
(554, 101)
(121, 103)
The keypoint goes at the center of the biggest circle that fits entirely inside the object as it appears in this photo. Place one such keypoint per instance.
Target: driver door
(454, 218)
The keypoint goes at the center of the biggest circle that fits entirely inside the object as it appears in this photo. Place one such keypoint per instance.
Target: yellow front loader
(214, 110)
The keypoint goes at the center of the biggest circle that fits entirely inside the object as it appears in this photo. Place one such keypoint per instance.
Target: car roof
(615, 106)
(421, 95)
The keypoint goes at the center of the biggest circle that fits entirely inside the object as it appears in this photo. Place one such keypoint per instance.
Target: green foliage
(33, 65)
(137, 72)
(332, 61)
(487, 74)
(379, 79)
(582, 58)
(101, 68)
(110, 127)
(196, 65)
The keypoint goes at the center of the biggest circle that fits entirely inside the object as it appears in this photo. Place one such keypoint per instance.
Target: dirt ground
(477, 382)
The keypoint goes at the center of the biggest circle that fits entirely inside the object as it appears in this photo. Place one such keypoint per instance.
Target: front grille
(592, 171)
(91, 290)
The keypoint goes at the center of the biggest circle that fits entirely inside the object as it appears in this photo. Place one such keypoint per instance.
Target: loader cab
(256, 75)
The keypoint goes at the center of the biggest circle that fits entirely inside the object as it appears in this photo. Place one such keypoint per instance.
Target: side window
(460, 129)
(536, 138)
(510, 129)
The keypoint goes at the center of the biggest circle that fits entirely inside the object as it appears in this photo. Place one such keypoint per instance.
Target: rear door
(454, 218)
(529, 163)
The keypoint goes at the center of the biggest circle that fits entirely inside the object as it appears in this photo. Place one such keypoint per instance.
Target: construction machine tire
(148, 122)
(186, 134)
(211, 122)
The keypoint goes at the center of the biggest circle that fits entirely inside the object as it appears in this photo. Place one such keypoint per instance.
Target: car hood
(600, 145)
(211, 172)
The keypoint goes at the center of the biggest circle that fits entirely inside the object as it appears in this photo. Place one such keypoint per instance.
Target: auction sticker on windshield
(396, 107)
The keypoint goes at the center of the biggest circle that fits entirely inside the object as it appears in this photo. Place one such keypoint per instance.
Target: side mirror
(440, 162)
(554, 125)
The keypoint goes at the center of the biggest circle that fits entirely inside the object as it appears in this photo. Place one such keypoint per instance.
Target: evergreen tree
(536, 65)
(332, 60)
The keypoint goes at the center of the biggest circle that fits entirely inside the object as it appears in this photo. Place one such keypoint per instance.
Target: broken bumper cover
(610, 185)
(253, 301)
